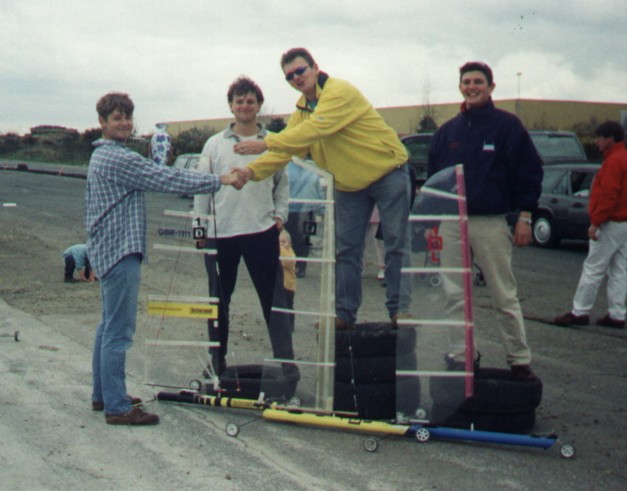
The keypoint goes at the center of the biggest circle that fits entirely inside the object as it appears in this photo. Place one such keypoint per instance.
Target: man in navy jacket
(503, 173)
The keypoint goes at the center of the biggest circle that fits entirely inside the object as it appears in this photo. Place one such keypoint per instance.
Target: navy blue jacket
(502, 169)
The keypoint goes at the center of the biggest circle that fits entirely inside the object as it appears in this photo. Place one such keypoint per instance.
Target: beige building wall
(535, 115)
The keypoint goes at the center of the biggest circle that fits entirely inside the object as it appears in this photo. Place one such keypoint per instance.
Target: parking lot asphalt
(52, 440)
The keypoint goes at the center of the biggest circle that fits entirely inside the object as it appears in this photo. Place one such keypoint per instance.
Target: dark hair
(290, 55)
(242, 86)
(611, 129)
(115, 101)
(476, 66)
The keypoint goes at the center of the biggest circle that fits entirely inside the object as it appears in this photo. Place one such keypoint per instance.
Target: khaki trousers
(491, 248)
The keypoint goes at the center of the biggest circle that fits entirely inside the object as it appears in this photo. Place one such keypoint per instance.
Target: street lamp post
(518, 105)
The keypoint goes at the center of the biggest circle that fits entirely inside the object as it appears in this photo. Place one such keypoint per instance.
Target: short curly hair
(242, 86)
(115, 101)
(477, 66)
(290, 55)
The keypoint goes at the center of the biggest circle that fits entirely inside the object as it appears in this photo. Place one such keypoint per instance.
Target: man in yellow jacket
(344, 134)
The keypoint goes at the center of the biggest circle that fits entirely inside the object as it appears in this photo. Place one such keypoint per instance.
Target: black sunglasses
(298, 72)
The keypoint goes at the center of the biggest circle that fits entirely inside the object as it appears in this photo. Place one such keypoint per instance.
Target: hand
(592, 232)
(245, 174)
(522, 234)
(250, 147)
(233, 178)
(279, 223)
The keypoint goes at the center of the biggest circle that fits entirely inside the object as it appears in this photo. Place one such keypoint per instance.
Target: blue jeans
(119, 291)
(391, 194)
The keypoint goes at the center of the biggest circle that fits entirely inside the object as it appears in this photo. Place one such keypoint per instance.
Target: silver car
(563, 206)
(186, 161)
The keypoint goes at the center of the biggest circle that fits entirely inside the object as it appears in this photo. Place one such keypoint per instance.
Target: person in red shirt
(607, 254)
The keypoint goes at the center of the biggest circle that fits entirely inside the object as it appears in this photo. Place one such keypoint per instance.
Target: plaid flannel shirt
(115, 210)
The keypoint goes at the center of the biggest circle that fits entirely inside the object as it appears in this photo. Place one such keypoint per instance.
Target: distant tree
(68, 148)
(9, 143)
(276, 125)
(591, 149)
(91, 135)
(191, 141)
(427, 124)
(585, 128)
(427, 113)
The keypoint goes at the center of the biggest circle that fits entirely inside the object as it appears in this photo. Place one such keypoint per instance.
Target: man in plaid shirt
(115, 220)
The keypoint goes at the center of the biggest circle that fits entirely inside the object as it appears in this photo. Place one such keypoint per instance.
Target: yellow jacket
(344, 135)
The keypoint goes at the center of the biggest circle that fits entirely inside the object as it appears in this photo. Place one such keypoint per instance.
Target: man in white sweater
(247, 225)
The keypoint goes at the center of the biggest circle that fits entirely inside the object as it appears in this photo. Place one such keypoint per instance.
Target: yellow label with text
(188, 310)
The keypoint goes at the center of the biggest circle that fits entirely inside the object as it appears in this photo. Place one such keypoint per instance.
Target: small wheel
(195, 384)
(423, 435)
(295, 402)
(232, 429)
(421, 413)
(16, 336)
(567, 451)
(371, 444)
(435, 280)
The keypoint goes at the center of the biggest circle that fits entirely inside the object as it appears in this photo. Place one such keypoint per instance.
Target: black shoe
(522, 373)
(607, 321)
(301, 268)
(570, 319)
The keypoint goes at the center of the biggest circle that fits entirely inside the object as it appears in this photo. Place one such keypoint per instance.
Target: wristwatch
(525, 220)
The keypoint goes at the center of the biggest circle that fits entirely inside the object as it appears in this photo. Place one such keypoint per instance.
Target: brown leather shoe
(342, 325)
(136, 417)
(570, 319)
(607, 321)
(99, 406)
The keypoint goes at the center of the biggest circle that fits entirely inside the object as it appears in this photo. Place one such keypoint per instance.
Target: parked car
(418, 148)
(557, 147)
(554, 147)
(563, 206)
(186, 161)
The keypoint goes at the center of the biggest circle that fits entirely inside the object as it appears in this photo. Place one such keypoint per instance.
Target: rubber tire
(377, 400)
(247, 381)
(553, 240)
(495, 391)
(521, 422)
(372, 369)
(374, 339)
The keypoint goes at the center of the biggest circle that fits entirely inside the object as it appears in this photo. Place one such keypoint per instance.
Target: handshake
(237, 177)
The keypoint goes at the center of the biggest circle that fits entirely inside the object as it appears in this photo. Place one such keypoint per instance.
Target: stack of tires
(499, 402)
(366, 360)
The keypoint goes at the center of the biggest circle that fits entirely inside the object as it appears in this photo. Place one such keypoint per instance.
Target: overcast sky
(177, 58)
